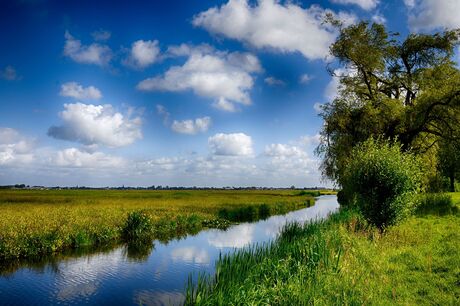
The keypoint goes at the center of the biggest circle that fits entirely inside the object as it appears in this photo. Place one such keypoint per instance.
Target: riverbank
(343, 261)
(36, 223)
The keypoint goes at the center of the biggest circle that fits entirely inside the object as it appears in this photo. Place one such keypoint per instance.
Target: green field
(342, 261)
(39, 222)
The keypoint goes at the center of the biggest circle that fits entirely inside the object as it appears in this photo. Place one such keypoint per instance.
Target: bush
(383, 182)
(438, 204)
(137, 225)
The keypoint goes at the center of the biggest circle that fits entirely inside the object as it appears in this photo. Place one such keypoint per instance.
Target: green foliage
(438, 204)
(341, 261)
(406, 89)
(449, 162)
(138, 225)
(383, 181)
(39, 222)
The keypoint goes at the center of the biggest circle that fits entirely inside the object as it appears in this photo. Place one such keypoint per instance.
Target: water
(152, 275)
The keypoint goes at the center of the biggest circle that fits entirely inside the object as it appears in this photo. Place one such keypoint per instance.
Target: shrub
(438, 204)
(137, 225)
(383, 182)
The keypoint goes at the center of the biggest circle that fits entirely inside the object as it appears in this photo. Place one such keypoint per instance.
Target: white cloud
(271, 24)
(14, 148)
(101, 35)
(377, 18)
(282, 150)
(191, 127)
(9, 73)
(96, 124)
(143, 53)
(364, 4)
(272, 81)
(224, 105)
(333, 87)
(318, 107)
(305, 78)
(288, 161)
(73, 157)
(237, 144)
(426, 15)
(163, 112)
(95, 53)
(75, 90)
(310, 140)
(209, 73)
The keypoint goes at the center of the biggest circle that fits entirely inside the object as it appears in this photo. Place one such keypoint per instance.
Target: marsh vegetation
(36, 223)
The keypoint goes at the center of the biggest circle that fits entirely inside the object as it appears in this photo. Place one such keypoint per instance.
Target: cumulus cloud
(364, 4)
(9, 73)
(272, 81)
(96, 125)
(75, 90)
(15, 149)
(224, 76)
(95, 53)
(377, 18)
(163, 112)
(101, 35)
(288, 160)
(282, 150)
(333, 87)
(310, 140)
(427, 15)
(305, 78)
(143, 53)
(191, 127)
(73, 157)
(318, 107)
(271, 24)
(236, 144)
(225, 105)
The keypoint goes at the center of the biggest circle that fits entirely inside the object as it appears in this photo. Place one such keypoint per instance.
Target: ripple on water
(154, 276)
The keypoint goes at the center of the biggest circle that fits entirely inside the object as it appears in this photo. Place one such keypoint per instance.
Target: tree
(449, 162)
(407, 91)
(382, 181)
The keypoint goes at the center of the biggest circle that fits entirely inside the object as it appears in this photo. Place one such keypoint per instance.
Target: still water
(155, 275)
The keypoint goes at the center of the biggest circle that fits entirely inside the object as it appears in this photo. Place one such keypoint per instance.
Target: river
(155, 274)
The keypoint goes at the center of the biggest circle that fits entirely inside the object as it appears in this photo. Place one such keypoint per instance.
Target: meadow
(343, 261)
(39, 222)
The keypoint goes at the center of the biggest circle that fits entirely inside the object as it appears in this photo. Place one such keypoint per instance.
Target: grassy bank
(34, 223)
(343, 261)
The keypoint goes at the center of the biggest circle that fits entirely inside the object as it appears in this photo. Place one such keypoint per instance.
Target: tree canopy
(405, 90)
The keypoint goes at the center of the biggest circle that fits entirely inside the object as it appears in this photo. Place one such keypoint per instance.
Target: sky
(178, 93)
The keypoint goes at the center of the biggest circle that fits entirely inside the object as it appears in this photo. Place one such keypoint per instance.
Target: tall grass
(343, 261)
(36, 223)
(259, 274)
(436, 204)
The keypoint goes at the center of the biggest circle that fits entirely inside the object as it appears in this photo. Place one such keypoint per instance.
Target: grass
(342, 261)
(38, 222)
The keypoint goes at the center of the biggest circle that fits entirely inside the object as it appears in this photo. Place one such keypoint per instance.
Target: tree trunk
(452, 182)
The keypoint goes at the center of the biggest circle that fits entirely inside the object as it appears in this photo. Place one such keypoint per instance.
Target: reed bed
(343, 261)
(39, 222)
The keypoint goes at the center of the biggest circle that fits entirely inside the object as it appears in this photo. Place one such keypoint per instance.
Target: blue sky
(205, 93)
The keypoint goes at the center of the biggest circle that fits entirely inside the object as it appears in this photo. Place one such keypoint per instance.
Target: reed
(35, 223)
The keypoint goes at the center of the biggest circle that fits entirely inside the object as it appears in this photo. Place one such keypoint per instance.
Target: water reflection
(191, 254)
(234, 237)
(140, 273)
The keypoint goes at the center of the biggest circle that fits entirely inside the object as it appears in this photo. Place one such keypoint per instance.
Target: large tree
(407, 90)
